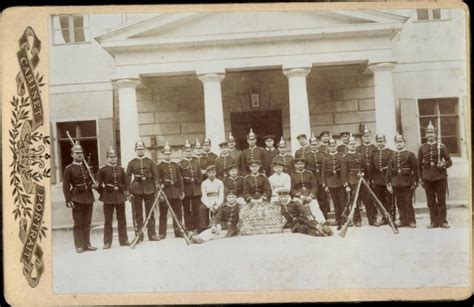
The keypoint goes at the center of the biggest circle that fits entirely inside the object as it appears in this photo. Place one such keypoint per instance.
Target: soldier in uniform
(173, 187)
(302, 178)
(207, 156)
(192, 178)
(402, 179)
(212, 197)
(344, 147)
(380, 157)
(303, 141)
(257, 185)
(284, 158)
(324, 136)
(143, 188)
(365, 150)
(235, 182)
(314, 163)
(112, 186)
(299, 216)
(224, 223)
(332, 180)
(77, 189)
(234, 152)
(278, 179)
(271, 152)
(433, 160)
(352, 168)
(253, 152)
(223, 161)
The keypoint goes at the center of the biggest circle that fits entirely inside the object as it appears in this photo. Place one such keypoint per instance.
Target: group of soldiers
(208, 190)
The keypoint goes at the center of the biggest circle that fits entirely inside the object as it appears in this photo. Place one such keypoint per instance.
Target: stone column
(213, 110)
(386, 121)
(298, 99)
(128, 116)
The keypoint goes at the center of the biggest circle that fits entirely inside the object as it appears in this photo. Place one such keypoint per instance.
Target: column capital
(127, 83)
(211, 77)
(386, 66)
(297, 72)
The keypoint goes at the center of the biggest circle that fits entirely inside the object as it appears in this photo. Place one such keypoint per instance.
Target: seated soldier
(212, 196)
(235, 183)
(224, 223)
(257, 187)
(299, 216)
(279, 179)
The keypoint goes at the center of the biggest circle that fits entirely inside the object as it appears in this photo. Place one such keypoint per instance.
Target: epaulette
(69, 165)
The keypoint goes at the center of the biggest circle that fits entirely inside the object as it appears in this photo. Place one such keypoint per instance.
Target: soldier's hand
(95, 186)
(213, 229)
(348, 189)
(441, 164)
(390, 189)
(182, 196)
(326, 189)
(131, 198)
(70, 204)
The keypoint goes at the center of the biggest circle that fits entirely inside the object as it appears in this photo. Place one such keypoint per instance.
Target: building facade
(117, 78)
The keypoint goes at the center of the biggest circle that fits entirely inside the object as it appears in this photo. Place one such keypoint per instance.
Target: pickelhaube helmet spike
(430, 126)
(231, 137)
(251, 134)
(167, 148)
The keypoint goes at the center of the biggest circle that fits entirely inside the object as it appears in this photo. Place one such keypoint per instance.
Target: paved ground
(367, 258)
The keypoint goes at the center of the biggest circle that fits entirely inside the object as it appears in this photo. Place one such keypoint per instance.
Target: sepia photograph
(258, 150)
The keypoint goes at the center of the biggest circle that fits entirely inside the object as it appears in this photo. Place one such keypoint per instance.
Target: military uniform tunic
(77, 188)
(192, 178)
(249, 154)
(366, 150)
(228, 217)
(271, 154)
(206, 159)
(434, 179)
(331, 178)
(314, 163)
(301, 152)
(236, 184)
(222, 164)
(379, 163)
(113, 185)
(257, 186)
(402, 174)
(303, 180)
(343, 149)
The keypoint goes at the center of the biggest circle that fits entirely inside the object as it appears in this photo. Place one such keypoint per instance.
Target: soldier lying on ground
(299, 216)
(224, 223)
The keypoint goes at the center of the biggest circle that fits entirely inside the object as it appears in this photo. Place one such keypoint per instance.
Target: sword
(83, 160)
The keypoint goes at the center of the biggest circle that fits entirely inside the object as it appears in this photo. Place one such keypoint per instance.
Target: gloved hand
(389, 188)
(348, 189)
(70, 204)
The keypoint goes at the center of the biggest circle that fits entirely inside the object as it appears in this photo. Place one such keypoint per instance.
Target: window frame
(71, 28)
(56, 140)
(456, 115)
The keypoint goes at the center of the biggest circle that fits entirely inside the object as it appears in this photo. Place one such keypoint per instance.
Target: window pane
(79, 35)
(449, 126)
(88, 128)
(63, 127)
(436, 13)
(64, 23)
(452, 144)
(78, 21)
(448, 106)
(426, 107)
(422, 14)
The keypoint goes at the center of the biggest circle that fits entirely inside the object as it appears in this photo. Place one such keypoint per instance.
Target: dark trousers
(202, 218)
(176, 206)
(121, 221)
(370, 208)
(385, 198)
(405, 204)
(82, 216)
(338, 196)
(138, 200)
(190, 207)
(323, 201)
(436, 198)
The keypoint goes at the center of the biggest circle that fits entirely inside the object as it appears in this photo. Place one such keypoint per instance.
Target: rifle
(347, 208)
(380, 206)
(145, 223)
(83, 160)
(135, 230)
(343, 231)
(180, 226)
(439, 132)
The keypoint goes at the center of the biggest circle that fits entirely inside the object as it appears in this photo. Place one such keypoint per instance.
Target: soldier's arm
(218, 217)
(445, 155)
(344, 171)
(100, 181)
(293, 191)
(67, 184)
(156, 175)
(420, 160)
(267, 189)
(323, 174)
(246, 192)
(414, 166)
(388, 172)
(180, 179)
(128, 173)
(314, 186)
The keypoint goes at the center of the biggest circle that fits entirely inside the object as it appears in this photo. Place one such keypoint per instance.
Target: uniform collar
(351, 152)
(255, 175)
(77, 163)
(404, 149)
(269, 149)
(431, 143)
(302, 171)
(113, 165)
(141, 158)
(333, 153)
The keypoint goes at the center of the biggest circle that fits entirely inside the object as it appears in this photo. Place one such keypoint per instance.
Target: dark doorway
(262, 123)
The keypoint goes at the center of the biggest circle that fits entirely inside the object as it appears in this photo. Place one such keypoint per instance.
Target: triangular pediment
(225, 26)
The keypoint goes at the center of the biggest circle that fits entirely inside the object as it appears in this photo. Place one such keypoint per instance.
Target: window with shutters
(70, 29)
(85, 132)
(444, 112)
